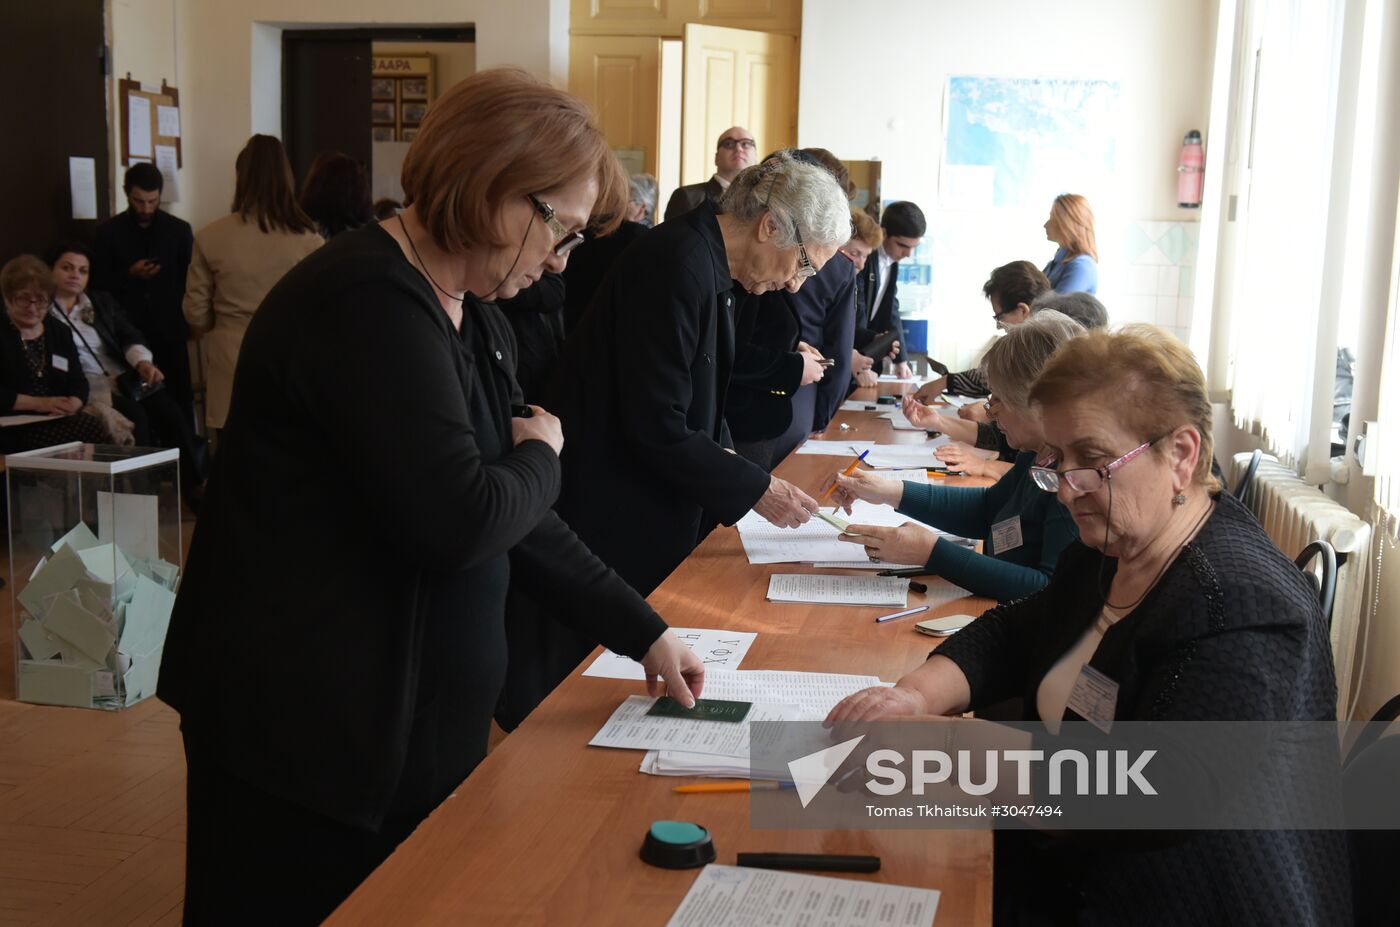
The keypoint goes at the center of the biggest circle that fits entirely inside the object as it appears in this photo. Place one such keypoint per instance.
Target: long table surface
(547, 829)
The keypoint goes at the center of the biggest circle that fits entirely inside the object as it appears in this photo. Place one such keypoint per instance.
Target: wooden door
(326, 96)
(736, 77)
(620, 77)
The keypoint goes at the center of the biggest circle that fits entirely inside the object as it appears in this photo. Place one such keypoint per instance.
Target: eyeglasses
(729, 144)
(24, 301)
(564, 240)
(804, 265)
(1083, 479)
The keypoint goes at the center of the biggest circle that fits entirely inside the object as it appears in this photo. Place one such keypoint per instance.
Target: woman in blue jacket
(1075, 266)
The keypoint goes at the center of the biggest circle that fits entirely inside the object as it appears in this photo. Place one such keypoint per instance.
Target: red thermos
(1190, 171)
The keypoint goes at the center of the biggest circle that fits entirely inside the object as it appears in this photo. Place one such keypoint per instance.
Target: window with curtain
(1387, 435)
(1284, 302)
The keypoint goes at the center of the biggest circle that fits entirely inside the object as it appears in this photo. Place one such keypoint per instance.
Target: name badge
(60, 363)
(1094, 698)
(1006, 535)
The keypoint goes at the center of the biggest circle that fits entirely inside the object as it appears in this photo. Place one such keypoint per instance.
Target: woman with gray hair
(641, 203)
(1024, 528)
(647, 463)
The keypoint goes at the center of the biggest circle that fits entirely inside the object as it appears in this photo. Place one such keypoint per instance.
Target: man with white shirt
(877, 305)
(734, 151)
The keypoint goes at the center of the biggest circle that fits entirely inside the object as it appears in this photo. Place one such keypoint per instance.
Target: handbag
(131, 386)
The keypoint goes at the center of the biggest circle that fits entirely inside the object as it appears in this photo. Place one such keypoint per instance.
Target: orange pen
(758, 785)
(855, 464)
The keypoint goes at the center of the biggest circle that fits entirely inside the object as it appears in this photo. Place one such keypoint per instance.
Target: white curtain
(1387, 435)
(1283, 316)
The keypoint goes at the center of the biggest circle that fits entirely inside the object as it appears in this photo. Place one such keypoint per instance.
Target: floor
(92, 807)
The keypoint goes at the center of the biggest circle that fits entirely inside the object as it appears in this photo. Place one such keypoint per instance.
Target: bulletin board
(401, 87)
(167, 96)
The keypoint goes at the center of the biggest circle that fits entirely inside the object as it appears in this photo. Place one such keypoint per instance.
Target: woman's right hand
(925, 417)
(975, 412)
(65, 405)
(864, 484)
(930, 391)
(875, 703)
(960, 457)
(812, 369)
(540, 426)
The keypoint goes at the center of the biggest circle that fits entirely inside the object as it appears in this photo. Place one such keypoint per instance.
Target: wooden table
(547, 829)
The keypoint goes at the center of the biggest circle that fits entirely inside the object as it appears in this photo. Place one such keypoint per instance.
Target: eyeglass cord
(424, 267)
(1108, 523)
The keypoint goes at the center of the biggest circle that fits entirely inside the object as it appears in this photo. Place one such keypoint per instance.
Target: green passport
(706, 709)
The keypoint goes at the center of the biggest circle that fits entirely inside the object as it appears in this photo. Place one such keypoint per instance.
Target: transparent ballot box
(95, 558)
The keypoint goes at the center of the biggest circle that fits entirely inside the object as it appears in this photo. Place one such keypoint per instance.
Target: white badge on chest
(1094, 698)
(60, 363)
(1006, 535)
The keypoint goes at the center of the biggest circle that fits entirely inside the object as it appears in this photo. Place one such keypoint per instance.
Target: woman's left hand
(909, 543)
(677, 666)
(149, 373)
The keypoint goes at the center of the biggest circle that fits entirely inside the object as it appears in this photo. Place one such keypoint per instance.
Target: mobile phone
(942, 627)
(519, 411)
(826, 362)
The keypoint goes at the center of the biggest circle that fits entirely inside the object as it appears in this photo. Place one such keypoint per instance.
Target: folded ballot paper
(92, 624)
(810, 695)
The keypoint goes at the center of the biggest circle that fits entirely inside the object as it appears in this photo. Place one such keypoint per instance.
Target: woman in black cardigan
(39, 369)
(1176, 595)
(338, 643)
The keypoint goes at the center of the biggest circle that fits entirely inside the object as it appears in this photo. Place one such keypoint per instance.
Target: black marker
(819, 861)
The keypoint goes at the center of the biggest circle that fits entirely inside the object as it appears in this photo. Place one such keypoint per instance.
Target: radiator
(1295, 514)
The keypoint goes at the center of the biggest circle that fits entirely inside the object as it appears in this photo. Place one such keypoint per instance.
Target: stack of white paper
(835, 448)
(907, 455)
(94, 619)
(825, 589)
(891, 378)
(734, 896)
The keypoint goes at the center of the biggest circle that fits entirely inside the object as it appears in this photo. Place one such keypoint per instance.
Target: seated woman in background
(1075, 266)
(1085, 309)
(110, 348)
(39, 369)
(641, 202)
(1177, 595)
(1025, 530)
(336, 194)
(866, 237)
(1011, 289)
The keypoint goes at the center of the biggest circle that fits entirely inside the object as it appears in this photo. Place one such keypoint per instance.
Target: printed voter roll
(718, 650)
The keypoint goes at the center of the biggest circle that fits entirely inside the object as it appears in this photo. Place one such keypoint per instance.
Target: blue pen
(904, 614)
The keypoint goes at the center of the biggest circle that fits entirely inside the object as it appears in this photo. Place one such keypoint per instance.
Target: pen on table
(825, 862)
(938, 474)
(912, 571)
(756, 785)
(847, 472)
(904, 614)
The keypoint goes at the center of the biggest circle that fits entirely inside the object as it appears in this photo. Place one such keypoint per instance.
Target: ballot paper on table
(897, 456)
(891, 378)
(958, 402)
(858, 405)
(734, 896)
(814, 695)
(825, 589)
(835, 448)
(718, 650)
(815, 540)
(901, 422)
(631, 728)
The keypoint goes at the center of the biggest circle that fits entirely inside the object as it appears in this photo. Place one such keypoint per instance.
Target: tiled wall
(1159, 278)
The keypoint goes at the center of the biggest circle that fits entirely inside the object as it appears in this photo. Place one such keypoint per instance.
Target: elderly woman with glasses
(648, 462)
(40, 373)
(1181, 609)
(377, 489)
(1024, 529)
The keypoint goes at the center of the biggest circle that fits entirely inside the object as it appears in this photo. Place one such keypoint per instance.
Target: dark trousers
(253, 858)
(162, 422)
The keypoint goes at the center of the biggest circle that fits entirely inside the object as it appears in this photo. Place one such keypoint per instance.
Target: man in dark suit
(141, 257)
(734, 151)
(877, 305)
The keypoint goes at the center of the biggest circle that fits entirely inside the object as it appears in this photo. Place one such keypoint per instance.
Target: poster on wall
(1017, 142)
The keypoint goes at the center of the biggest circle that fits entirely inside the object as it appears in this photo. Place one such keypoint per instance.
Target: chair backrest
(1243, 485)
(1326, 585)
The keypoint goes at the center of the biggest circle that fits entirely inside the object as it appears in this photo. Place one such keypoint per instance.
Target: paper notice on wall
(168, 121)
(82, 187)
(168, 160)
(138, 126)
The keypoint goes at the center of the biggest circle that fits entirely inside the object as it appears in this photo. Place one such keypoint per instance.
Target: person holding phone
(141, 257)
